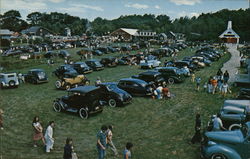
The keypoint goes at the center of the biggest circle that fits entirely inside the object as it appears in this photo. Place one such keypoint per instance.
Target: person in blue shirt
(198, 82)
(102, 142)
(127, 151)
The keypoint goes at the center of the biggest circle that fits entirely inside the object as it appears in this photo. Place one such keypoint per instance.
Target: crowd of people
(104, 140)
(217, 83)
(161, 91)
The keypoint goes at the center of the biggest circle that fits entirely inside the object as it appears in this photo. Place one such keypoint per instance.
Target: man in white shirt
(49, 136)
(217, 124)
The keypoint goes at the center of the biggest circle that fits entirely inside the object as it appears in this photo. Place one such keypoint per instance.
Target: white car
(149, 63)
(8, 80)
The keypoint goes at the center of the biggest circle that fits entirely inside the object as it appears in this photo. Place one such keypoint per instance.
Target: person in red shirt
(214, 84)
(165, 92)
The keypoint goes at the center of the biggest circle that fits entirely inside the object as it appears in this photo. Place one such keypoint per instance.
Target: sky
(111, 9)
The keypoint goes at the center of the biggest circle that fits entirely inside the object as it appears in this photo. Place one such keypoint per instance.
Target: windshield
(97, 63)
(41, 74)
(111, 87)
(83, 65)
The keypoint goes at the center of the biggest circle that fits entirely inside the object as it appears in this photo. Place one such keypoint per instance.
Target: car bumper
(88, 71)
(99, 68)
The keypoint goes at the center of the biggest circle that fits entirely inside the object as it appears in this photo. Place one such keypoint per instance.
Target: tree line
(204, 27)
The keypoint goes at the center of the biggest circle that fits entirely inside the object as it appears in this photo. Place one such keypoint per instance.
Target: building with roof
(131, 34)
(37, 31)
(5, 34)
(229, 35)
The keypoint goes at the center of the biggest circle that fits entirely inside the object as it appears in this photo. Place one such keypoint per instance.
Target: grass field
(159, 129)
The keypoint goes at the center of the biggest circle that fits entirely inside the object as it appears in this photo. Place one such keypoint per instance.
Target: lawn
(159, 129)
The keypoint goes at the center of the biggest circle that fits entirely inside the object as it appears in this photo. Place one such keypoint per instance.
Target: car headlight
(211, 143)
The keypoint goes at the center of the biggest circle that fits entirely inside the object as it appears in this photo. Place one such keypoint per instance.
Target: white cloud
(157, 7)
(84, 6)
(188, 14)
(185, 2)
(27, 5)
(137, 6)
(56, 1)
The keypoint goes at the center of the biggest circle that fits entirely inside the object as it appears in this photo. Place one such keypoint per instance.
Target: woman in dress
(38, 131)
(68, 149)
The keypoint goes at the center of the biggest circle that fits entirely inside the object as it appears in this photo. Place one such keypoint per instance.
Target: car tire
(57, 107)
(218, 156)
(83, 113)
(67, 86)
(11, 83)
(112, 102)
(234, 127)
(87, 83)
(58, 84)
(171, 81)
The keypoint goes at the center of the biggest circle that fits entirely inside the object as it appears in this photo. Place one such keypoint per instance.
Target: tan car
(69, 82)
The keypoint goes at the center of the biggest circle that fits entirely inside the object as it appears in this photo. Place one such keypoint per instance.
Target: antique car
(109, 61)
(171, 74)
(8, 80)
(69, 81)
(151, 77)
(135, 87)
(97, 52)
(61, 70)
(113, 95)
(94, 64)
(227, 144)
(12, 52)
(112, 49)
(36, 76)
(64, 54)
(82, 100)
(50, 54)
(149, 63)
(103, 49)
(82, 68)
(244, 93)
(234, 113)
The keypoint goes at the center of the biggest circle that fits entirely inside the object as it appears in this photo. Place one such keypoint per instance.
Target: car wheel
(57, 107)
(112, 103)
(67, 87)
(171, 81)
(83, 113)
(218, 156)
(58, 84)
(234, 127)
(11, 83)
(87, 83)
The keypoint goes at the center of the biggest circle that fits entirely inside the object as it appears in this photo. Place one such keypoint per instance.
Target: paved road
(233, 64)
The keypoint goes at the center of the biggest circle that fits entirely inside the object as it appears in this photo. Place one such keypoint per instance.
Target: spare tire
(58, 84)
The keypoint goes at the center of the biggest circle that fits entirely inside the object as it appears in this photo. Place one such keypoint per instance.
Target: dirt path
(233, 64)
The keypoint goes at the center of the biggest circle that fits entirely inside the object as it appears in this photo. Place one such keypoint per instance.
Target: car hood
(232, 137)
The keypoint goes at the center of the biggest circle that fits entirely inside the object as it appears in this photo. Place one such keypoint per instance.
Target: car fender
(61, 103)
(222, 149)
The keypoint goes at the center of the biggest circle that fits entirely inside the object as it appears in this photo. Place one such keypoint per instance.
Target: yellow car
(68, 82)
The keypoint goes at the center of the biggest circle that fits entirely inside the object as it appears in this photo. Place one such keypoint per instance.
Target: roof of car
(79, 62)
(109, 83)
(133, 80)
(92, 60)
(149, 73)
(37, 70)
(83, 89)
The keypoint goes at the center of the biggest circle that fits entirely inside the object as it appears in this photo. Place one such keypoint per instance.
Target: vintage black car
(111, 49)
(153, 77)
(36, 76)
(171, 74)
(135, 87)
(50, 54)
(94, 64)
(244, 93)
(113, 95)
(103, 49)
(64, 54)
(65, 69)
(109, 61)
(82, 100)
(97, 52)
(82, 68)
